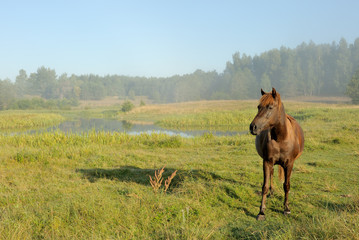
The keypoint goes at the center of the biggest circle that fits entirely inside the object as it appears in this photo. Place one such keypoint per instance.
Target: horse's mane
(290, 118)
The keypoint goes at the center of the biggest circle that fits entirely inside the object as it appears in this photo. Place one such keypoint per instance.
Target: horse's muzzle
(253, 129)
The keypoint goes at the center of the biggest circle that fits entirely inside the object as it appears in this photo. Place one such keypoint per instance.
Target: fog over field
(308, 70)
(173, 52)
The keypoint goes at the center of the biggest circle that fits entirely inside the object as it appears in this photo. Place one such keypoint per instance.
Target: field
(97, 185)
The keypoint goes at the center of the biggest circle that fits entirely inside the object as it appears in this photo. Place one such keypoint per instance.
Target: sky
(160, 38)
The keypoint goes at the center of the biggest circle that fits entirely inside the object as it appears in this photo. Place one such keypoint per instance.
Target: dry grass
(111, 101)
(194, 107)
(156, 182)
(321, 99)
(236, 105)
(169, 180)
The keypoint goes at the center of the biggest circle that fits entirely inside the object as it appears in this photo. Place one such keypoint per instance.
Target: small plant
(156, 182)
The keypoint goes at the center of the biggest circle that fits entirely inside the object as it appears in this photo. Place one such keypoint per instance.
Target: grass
(96, 185)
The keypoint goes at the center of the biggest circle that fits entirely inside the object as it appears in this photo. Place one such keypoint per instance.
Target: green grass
(96, 185)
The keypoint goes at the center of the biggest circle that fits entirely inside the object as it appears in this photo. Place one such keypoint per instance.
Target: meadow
(96, 185)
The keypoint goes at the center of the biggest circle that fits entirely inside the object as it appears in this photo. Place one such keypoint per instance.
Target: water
(109, 125)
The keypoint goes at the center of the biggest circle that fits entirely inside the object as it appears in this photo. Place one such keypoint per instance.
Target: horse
(279, 141)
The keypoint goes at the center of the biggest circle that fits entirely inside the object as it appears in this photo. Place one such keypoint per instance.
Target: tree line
(308, 70)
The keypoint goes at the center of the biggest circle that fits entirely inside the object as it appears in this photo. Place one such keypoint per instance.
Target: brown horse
(279, 141)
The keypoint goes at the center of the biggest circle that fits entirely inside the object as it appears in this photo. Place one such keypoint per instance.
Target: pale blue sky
(160, 38)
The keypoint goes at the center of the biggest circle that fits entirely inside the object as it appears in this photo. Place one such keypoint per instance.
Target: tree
(265, 82)
(7, 93)
(131, 94)
(353, 88)
(308, 69)
(43, 82)
(92, 91)
(21, 83)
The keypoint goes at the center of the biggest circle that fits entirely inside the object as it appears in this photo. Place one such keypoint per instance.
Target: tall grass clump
(161, 140)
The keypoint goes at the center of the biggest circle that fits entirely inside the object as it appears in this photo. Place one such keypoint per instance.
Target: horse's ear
(262, 92)
(274, 92)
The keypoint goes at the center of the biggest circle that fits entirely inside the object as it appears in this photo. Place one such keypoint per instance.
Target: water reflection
(110, 125)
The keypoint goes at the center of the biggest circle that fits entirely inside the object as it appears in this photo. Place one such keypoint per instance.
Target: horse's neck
(280, 128)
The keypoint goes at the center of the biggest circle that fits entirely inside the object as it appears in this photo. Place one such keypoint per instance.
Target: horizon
(160, 39)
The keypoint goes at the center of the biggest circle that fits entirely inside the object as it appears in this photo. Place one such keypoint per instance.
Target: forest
(308, 70)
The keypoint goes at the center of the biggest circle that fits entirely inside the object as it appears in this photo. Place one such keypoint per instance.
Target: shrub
(127, 106)
(40, 103)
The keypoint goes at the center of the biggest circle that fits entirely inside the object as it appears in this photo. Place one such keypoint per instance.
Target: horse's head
(268, 112)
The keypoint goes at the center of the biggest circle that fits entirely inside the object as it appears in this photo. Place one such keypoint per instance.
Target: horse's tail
(281, 173)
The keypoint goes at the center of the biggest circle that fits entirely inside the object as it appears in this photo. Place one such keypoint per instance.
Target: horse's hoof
(286, 213)
(261, 217)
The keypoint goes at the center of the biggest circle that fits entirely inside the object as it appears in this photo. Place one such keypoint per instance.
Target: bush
(40, 103)
(127, 106)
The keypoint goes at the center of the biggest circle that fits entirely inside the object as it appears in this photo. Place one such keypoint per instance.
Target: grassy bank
(96, 185)
(196, 115)
(234, 120)
(11, 120)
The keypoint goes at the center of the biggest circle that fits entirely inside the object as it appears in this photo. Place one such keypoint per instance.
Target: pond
(109, 125)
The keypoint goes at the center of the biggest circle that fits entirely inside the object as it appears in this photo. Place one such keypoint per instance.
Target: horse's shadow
(351, 206)
(141, 176)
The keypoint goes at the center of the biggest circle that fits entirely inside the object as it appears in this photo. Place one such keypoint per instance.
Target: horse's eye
(270, 107)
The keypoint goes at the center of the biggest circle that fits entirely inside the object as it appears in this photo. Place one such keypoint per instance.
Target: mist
(308, 70)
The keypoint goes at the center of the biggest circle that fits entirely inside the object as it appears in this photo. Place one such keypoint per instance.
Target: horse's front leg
(286, 186)
(267, 166)
(271, 188)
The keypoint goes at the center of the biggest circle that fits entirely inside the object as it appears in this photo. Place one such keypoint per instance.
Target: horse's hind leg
(286, 186)
(266, 172)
